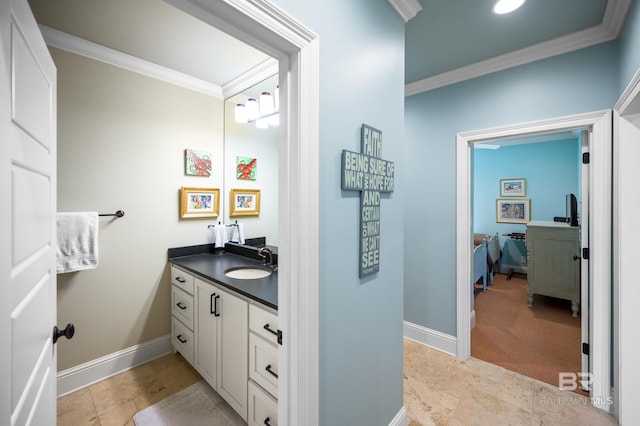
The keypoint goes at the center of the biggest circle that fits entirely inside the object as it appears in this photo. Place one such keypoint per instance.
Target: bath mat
(196, 405)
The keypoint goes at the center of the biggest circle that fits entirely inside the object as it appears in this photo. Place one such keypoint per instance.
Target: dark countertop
(212, 265)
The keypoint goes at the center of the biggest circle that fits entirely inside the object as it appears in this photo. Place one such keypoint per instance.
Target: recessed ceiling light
(505, 6)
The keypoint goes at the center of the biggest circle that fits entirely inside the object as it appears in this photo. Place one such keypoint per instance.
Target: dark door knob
(67, 332)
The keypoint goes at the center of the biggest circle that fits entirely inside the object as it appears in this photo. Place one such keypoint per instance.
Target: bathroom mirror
(251, 163)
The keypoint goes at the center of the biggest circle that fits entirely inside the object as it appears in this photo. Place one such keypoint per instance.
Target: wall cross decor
(371, 175)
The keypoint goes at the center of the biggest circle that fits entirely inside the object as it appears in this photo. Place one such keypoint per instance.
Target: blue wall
(577, 82)
(629, 51)
(361, 81)
(551, 170)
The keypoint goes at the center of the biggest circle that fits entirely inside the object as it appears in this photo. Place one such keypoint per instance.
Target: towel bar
(119, 213)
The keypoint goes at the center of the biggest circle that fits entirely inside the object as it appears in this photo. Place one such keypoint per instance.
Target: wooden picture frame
(513, 187)
(199, 202)
(513, 210)
(244, 202)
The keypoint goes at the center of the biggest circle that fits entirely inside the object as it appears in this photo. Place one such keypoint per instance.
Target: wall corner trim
(83, 375)
(431, 338)
(407, 9)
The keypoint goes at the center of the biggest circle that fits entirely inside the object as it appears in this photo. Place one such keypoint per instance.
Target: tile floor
(438, 390)
(441, 390)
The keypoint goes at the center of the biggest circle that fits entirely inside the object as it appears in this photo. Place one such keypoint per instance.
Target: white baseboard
(432, 338)
(400, 419)
(93, 371)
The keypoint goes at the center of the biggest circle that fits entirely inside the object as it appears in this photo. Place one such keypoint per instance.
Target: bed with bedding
(486, 256)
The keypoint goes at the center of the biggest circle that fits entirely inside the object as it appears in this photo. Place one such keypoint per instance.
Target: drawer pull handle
(277, 333)
(181, 339)
(181, 306)
(213, 304)
(270, 330)
(266, 421)
(268, 368)
(181, 280)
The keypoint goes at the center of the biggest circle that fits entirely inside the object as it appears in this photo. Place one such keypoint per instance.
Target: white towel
(241, 233)
(219, 235)
(237, 233)
(77, 241)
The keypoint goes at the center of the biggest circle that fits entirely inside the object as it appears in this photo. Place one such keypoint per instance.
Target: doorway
(598, 125)
(540, 172)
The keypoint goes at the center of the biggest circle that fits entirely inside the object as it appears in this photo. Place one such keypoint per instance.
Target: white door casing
(585, 318)
(263, 26)
(27, 220)
(600, 143)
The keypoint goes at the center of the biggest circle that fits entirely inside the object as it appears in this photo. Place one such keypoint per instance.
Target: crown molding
(407, 9)
(88, 49)
(608, 30)
(255, 75)
(615, 15)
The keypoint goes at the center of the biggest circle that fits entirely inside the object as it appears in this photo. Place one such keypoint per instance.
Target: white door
(27, 220)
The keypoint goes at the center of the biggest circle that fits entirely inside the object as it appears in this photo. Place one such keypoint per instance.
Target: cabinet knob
(576, 257)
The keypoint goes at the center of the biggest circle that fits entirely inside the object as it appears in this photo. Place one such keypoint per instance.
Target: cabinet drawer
(182, 279)
(182, 306)
(263, 323)
(263, 408)
(263, 363)
(182, 339)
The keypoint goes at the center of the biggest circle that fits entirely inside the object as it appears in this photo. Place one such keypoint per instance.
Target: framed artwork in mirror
(199, 202)
(244, 202)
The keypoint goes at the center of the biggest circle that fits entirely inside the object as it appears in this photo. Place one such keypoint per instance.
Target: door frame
(599, 124)
(267, 28)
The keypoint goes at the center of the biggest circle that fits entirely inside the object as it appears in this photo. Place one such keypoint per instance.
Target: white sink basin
(247, 272)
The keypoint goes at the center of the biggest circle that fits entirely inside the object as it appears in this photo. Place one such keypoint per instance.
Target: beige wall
(121, 141)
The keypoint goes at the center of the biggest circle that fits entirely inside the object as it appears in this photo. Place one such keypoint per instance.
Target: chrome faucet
(269, 253)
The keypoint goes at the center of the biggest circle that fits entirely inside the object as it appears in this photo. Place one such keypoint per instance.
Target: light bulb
(505, 6)
(266, 103)
(274, 120)
(262, 123)
(240, 114)
(253, 109)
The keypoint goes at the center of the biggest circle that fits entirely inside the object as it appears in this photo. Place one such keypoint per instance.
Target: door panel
(27, 220)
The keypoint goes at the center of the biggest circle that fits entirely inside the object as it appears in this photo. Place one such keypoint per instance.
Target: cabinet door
(206, 330)
(233, 349)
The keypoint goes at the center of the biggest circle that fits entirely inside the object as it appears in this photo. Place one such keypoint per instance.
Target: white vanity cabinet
(553, 250)
(210, 328)
(221, 347)
(263, 367)
(182, 313)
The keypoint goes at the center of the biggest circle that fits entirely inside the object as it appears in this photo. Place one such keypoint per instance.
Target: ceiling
(447, 36)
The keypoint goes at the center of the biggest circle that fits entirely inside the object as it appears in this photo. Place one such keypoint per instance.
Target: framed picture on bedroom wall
(513, 210)
(513, 187)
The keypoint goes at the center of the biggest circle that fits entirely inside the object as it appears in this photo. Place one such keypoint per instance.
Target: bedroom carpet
(537, 342)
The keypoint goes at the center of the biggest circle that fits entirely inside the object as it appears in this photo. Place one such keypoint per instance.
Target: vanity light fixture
(263, 112)
(506, 6)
